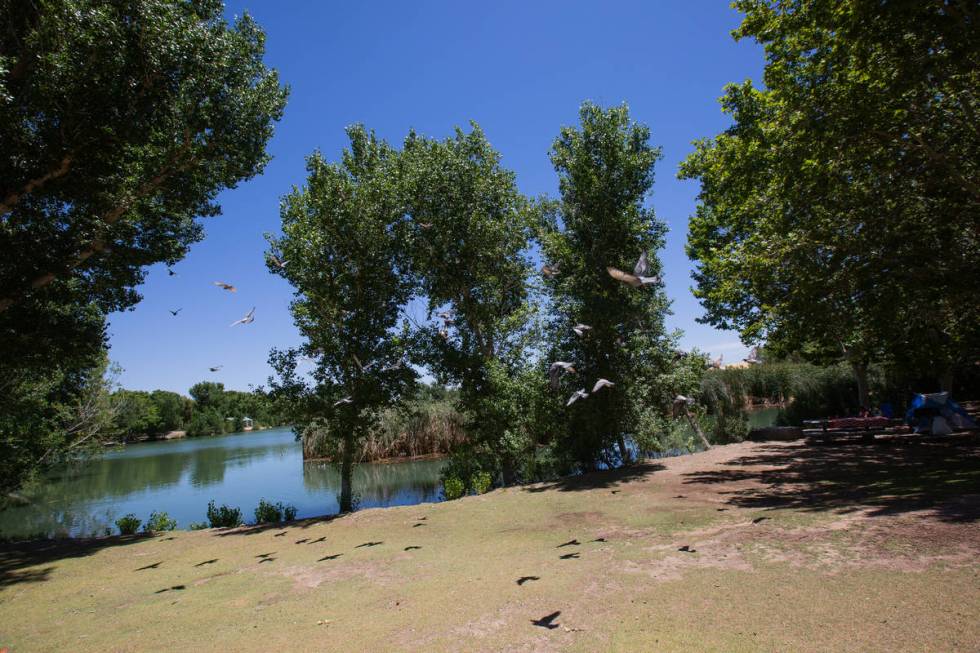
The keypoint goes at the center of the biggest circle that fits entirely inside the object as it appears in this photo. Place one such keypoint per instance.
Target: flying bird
(642, 267)
(171, 273)
(578, 394)
(555, 370)
(716, 363)
(345, 400)
(216, 368)
(580, 329)
(633, 280)
(278, 262)
(248, 319)
(600, 384)
(549, 271)
(226, 286)
(174, 313)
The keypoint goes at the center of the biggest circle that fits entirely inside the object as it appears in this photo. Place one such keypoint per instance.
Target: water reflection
(181, 476)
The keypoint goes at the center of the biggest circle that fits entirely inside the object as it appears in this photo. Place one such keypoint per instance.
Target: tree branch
(12, 199)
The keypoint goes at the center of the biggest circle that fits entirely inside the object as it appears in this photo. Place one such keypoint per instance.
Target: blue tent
(937, 414)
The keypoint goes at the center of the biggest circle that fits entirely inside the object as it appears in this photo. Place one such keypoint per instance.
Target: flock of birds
(248, 317)
(640, 278)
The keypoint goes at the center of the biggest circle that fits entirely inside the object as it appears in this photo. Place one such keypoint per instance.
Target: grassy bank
(747, 547)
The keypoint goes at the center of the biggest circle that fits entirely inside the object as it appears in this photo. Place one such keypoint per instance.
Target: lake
(181, 476)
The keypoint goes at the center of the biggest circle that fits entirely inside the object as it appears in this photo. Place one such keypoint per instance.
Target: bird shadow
(265, 555)
(305, 539)
(419, 524)
(333, 557)
(207, 562)
(319, 539)
(153, 566)
(598, 480)
(525, 579)
(412, 548)
(266, 560)
(547, 621)
(368, 544)
(569, 543)
(570, 556)
(172, 588)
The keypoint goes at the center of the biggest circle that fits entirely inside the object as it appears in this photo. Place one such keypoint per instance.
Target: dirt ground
(747, 547)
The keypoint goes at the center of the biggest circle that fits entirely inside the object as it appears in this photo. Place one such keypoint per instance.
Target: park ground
(746, 547)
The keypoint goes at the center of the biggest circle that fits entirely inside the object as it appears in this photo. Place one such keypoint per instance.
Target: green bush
(197, 526)
(128, 524)
(480, 482)
(452, 488)
(158, 522)
(267, 512)
(224, 516)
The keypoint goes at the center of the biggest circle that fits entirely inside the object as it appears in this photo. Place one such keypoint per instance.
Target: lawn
(747, 547)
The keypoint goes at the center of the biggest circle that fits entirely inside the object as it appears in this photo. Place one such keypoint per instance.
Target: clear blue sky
(520, 69)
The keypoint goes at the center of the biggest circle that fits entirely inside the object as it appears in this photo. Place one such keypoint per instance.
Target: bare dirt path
(748, 547)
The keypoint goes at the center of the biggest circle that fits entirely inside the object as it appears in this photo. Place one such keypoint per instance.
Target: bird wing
(600, 384)
(624, 277)
(642, 265)
(646, 281)
(251, 313)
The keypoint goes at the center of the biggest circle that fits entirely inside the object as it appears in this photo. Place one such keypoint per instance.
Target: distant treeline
(210, 410)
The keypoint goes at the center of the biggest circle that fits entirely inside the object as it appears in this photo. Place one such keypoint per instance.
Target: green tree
(120, 122)
(838, 214)
(606, 170)
(342, 235)
(469, 238)
(137, 414)
(208, 394)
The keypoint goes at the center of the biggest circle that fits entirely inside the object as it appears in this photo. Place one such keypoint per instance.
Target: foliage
(481, 482)
(342, 236)
(224, 516)
(158, 522)
(426, 422)
(837, 216)
(453, 488)
(605, 168)
(128, 524)
(52, 417)
(197, 526)
(119, 124)
(267, 512)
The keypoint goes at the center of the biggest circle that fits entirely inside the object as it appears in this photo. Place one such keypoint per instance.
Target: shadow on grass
(598, 480)
(890, 477)
(256, 529)
(33, 561)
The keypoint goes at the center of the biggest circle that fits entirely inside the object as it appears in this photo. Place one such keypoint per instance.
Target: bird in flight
(170, 272)
(580, 329)
(174, 313)
(631, 279)
(278, 262)
(600, 384)
(549, 271)
(555, 370)
(226, 286)
(216, 368)
(578, 394)
(341, 402)
(248, 319)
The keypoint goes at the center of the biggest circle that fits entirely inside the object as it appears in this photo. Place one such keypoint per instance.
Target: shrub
(224, 516)
(267, 512)
(452, 488)
(481, 482)
(197, 525)
(159, 521)
(128, 524)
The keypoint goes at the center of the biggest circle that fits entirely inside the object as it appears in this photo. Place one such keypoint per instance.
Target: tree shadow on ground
(18, 560)
(256, 529)
(889, 477)
(598, 480)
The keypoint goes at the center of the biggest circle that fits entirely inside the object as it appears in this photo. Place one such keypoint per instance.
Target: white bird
(555, 370)
(345, 400)
(580, 329)
(226, 286)
(716, 363)
(753, 356)
(600, 384)
(642, 267)
(578, 394)
(248, 319)
(681, 399)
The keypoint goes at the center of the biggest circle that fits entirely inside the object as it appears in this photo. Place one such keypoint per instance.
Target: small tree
(342, 238)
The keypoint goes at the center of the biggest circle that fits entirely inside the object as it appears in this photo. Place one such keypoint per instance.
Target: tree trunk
(946, 380)
(697, 427)
(346, 500)
(861, 374)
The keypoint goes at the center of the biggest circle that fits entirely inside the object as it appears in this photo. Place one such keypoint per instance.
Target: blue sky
(519, 69)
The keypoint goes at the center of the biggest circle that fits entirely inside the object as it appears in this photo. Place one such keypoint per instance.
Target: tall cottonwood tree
(343, 238)
(469, 242)
(605, 167)
(839, 212)
(120, 122)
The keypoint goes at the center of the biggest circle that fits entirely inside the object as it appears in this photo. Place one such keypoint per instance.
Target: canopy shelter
(937, 414)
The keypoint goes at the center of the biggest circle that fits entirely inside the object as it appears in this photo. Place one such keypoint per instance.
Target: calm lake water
(181, 476)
